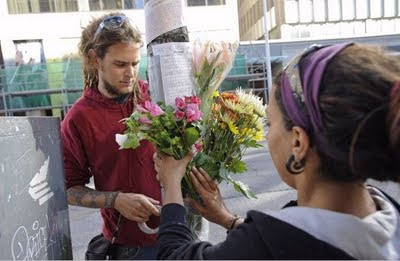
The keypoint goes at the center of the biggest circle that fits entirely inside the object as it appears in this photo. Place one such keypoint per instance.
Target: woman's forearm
(173, 193)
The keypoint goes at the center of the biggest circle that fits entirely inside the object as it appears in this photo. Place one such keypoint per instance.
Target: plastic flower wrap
(236, 123)
(211, 64)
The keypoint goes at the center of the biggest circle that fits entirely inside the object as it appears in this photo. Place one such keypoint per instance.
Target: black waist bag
(97, 248)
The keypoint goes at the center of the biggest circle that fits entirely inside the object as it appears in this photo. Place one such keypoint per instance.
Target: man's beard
(113, 91)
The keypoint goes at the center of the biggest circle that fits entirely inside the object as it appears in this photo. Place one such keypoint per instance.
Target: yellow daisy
(233, 128)
(259, 136)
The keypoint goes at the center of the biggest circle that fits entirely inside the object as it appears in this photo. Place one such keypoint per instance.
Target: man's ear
(93, 60)
(300, 143)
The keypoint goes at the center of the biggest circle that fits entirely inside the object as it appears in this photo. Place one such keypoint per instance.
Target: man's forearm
(87, 197)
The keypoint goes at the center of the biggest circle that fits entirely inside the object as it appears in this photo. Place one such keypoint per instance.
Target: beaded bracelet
(236, 218)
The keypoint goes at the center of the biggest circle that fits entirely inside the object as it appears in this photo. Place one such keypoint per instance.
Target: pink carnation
(192, 99)
(180, 104)
(179, 114)
(146, 107)
(140, 108)
(193, 113)
(156, 110)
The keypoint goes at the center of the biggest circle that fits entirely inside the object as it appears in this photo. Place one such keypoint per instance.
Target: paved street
(272, 193)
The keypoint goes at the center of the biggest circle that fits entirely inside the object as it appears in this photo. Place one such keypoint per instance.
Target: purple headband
(297, 89)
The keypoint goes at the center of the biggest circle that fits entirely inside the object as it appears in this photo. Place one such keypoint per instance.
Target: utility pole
(164, 24)
(268, 81)
(169, 69)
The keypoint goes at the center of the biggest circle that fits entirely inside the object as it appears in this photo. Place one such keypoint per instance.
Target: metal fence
(40, 87)
(52, 88)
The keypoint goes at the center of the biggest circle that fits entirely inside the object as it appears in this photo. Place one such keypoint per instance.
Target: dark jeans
(133, 253)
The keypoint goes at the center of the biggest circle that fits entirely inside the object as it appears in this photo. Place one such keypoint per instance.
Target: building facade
(48, 29)
(318, 19)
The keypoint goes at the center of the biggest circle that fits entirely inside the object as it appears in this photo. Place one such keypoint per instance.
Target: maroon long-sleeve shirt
(89, 147)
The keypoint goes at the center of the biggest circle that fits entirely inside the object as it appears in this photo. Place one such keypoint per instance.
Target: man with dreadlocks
(126, 189)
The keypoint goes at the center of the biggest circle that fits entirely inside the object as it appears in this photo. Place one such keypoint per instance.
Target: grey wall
(34, 220)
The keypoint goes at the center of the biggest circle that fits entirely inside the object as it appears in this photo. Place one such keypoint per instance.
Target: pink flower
(179, 114)
(156, 110)
(193, 113)
(140, 108)
(146, 107)
(192, 99)
(180, 104)
(212, 51)
(144, 120)
(198, 146)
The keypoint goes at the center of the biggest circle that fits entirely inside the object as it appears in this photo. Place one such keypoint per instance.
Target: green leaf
(165, 140)
(223, 172)
(254, 144)
(242, 188)
(191, 135)
(238, 166)
(167, 151)
(135, 115)
(131, 142)
(208, 164)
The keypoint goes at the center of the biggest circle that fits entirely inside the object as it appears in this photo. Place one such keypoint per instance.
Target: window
(319, 10)
(334, 10)
(215, 2)
(362, 9)
(347, 9)
(96, 5)
(133, 4)
(204, 2)
(306, 11)
(41, 6)
(196, 2)
(292, 11)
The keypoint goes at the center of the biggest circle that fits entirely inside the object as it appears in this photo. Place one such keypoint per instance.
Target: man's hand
(136, 207)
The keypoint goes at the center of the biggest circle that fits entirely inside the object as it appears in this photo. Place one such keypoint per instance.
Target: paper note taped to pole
(171, 18)
(176, 69)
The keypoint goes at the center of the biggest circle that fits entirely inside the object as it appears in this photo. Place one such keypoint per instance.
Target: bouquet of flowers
(173, 131)
(235, 124)
(220, 127)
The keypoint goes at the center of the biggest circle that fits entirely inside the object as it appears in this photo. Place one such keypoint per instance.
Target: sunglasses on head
(292, 69)
(111, 23)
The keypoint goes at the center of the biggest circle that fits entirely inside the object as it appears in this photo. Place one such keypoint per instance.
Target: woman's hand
(170, 174)
(170, 171)
(213, 207)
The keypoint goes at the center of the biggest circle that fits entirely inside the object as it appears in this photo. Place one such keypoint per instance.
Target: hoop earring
(294, 167)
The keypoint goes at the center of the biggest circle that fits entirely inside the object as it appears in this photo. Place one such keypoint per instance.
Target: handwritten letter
(176, 69)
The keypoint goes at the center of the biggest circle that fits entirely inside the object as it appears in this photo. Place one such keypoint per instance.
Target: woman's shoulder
(286, 241)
